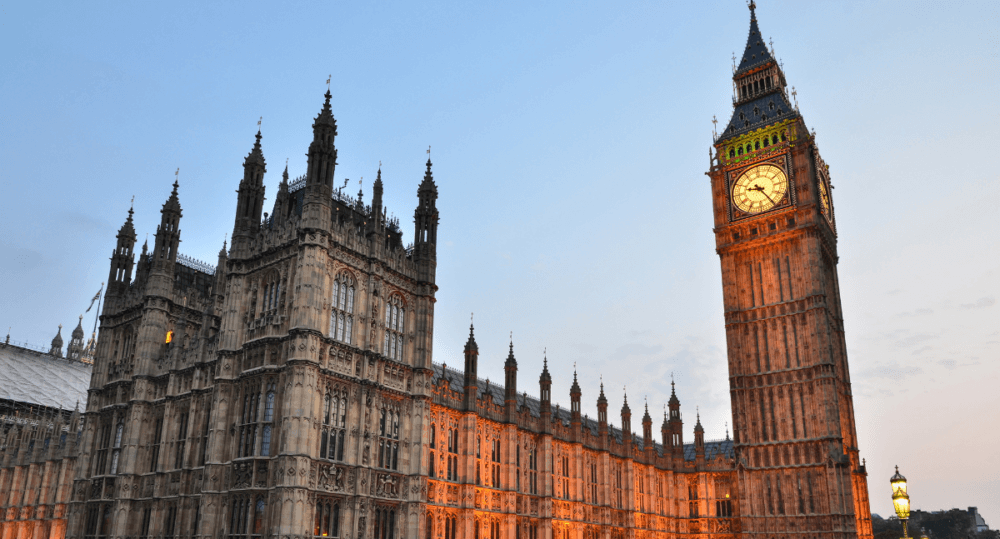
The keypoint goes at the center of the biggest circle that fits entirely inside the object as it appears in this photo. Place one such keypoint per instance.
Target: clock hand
(761, 191)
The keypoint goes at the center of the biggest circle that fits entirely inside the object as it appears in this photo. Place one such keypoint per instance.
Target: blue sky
(570, 142)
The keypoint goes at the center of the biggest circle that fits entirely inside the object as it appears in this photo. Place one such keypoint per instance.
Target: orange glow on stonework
(170, 336)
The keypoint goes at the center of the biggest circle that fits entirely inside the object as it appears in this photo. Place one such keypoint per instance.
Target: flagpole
(97, 314)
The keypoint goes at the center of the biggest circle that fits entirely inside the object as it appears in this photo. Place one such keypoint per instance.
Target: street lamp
(900, 500)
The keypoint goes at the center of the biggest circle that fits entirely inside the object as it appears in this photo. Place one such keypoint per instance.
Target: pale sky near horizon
(569, 142)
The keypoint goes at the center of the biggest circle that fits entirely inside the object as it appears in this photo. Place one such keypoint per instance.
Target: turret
(249, 200)
(627, 426)
(122, 259)
(425, 219)
(699, 440)
(76, 345)
(471, 368)
(665, 433)
(510, 383)
(647, 433)
(375, 221)
(219, 287)
(168, 234)
(676, 425)
(602, 413)
(545, 395)
(57, 343)
(282, 204)
(322, 161)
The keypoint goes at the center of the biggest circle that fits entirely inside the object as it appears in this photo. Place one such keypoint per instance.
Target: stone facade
(290, 391)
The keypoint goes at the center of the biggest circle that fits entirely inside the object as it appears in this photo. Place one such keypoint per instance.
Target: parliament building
(291, 391)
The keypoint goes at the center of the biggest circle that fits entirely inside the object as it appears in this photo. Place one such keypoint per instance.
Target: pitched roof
(31, 377)
(756, 53)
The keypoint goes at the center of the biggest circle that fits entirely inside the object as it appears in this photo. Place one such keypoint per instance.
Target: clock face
(759, 189)
(824, 199)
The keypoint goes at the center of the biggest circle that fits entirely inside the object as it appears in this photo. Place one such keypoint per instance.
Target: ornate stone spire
(57, 343)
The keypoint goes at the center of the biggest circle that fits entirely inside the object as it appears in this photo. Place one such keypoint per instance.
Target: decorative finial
(131, 204)
(261, 119)
(752, 6)
(428, 152)
(328, 79)
(177, 175)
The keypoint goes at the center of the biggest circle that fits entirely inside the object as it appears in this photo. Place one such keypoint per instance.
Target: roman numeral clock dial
(759, 189)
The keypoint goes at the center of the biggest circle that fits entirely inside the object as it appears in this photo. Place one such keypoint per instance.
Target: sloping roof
(756, 53)
(768, 109)
(32, 377)
(456, 381)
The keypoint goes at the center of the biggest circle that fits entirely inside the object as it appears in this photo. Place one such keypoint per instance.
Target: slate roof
(758, 113)
(456, 381)
(28, 376)
(756, 53)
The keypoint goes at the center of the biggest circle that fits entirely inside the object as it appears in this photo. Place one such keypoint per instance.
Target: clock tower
(793, 414)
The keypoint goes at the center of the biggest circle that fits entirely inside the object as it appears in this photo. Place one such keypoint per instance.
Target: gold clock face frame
(824, 199)
(759, 189)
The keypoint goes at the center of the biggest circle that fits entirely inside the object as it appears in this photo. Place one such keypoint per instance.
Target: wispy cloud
(892, 370)
(981, 303)
(918, 312)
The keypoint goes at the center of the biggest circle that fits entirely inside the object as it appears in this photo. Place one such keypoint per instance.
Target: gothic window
(430, 527)
(272, 291)
(756, 145)
(342, 309)
(642, 491)
(98, 523)
(247, 518)
(256, 423)
(565, 477)
(774, 139)
(533, 472)
(181, 439)
(430, 466)
(116, 449)
(265, 442)
(144, 523)
(170, 521)
(450, 527)
(495, 463)
(618, 487)
(723, 503)
(154, 456)
(693, 501)
(327, 518)
(385, 523)
(388, 442)
(593, 483)
(392, 346)
(103, 445)
(732, 153)
(334, 426)
(494, 529)
(452, 472)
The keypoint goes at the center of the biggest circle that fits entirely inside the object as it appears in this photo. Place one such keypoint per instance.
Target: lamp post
(900, 500)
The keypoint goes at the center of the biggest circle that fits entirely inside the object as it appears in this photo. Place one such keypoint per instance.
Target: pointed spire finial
(328, 79)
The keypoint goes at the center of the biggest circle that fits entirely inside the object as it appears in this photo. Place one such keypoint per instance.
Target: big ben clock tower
(775, 228)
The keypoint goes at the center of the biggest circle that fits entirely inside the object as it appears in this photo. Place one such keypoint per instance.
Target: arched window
(258, 518)
(732, 153)
(385, 523)
(255, 423)
(327, 518)
(342, 308)
(117, 448)
(388, 442)
(265, 441)
(272, 292)
(430, 464)
(334, 425)
(395, 310)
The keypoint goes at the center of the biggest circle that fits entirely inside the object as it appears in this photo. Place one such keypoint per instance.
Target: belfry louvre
(290, 391)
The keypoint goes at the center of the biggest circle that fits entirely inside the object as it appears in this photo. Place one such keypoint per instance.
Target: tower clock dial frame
(760, 187)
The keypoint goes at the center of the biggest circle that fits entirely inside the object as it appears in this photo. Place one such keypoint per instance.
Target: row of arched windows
(764, 142)
(392, 347)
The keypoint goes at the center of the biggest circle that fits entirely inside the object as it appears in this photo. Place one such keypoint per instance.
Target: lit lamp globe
(900, 500)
